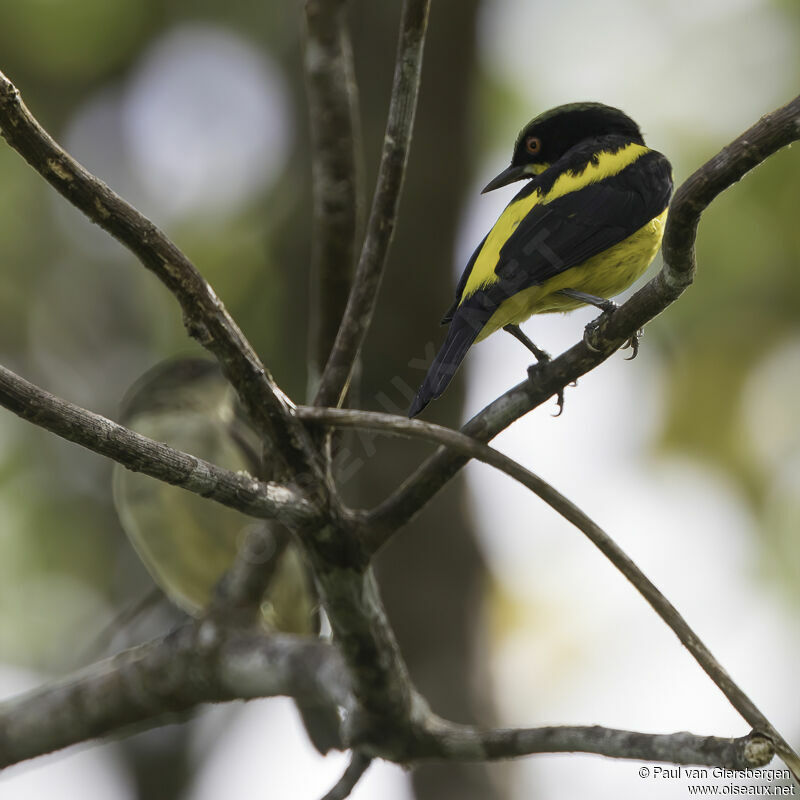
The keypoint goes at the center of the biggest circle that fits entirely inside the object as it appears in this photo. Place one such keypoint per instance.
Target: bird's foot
(592, 331)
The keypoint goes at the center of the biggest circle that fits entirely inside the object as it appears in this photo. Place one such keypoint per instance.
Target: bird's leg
(606, 306)
(542, 356)
(516, 332)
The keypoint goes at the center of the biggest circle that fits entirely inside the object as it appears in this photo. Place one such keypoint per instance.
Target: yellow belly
(604, 275)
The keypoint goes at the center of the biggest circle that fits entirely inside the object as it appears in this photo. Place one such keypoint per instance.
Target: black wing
(556, 236)
(552, 238)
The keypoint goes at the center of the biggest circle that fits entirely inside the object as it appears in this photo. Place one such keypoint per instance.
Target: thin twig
(204, 315)
(766, 137)
(385, 203)
(140, 454)
(469, 744)
(359, 764)
(336, 171)
(470, 448)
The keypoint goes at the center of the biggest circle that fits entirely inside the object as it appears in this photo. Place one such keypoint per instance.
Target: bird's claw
(633, 343)
(589, 333)
(533, 378)
(560, 403)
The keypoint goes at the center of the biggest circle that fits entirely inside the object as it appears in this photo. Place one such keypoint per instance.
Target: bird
(585, 226)
(187, 542)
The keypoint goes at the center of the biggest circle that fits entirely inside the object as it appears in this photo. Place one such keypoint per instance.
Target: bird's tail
(460, 336)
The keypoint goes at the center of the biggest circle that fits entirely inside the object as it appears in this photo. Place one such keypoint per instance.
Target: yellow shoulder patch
(608, 164)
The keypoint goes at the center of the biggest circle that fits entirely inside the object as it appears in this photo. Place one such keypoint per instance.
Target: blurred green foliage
(80, 40)
(744, 304)
(83, 319)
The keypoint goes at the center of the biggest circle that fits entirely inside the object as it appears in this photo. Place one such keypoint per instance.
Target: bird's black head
(550, 135)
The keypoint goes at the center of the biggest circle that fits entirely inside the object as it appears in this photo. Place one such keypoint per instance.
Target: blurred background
(689, 456)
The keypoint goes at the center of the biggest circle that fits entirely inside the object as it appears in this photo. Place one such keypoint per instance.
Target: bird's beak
(508, 175)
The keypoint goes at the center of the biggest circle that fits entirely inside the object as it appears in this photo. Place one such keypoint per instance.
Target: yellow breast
(604, 275)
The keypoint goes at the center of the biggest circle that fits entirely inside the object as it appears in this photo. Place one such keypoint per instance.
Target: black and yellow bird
(585, 226)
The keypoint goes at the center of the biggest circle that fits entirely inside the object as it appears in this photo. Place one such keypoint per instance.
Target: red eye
(533, 144)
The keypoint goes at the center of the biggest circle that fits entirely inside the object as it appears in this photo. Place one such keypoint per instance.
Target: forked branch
(201, 663)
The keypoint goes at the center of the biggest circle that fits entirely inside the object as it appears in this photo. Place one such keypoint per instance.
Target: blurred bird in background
(188, 543)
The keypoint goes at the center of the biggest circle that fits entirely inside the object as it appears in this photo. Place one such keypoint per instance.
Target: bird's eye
(533, 144)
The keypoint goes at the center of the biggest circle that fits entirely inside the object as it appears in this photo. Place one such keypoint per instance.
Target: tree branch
(202, 663)
(204, 315)
(469, 448)
(335, 165)
(767, 136)
(140, 454)
(347, 586)
(197, 663)
(771, 133)
(385, 203)
(467, 744)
